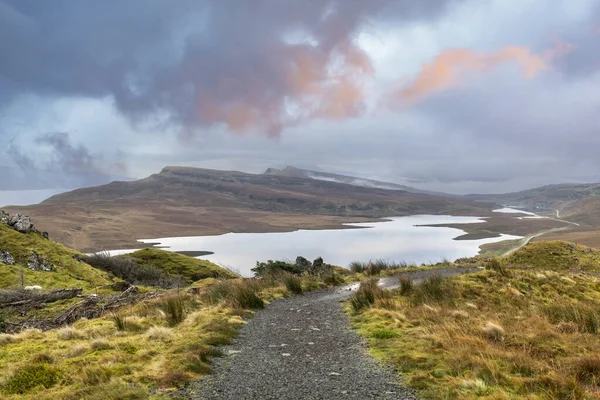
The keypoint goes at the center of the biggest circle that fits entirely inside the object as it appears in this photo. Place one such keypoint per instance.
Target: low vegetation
(526, 326)
(68, 270)
(149, 347)
(173, 264)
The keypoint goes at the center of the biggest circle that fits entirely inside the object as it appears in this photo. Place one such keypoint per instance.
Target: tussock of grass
(293, 284)
(241, 294)
(432, 290)
(366, 295)
(160, 333)
(406, 284)
(69, 333)
(173, 307)
(493, 331)
(119, 321)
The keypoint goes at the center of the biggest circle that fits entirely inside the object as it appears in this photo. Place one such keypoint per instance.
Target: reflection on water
(396, 240)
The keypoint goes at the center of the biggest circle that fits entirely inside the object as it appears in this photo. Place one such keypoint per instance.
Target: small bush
(366, 295)
(275, 268)
(293, 284)
(174, 308)
(585, 316)
(130, 271)
(31, 376)
(406, 285)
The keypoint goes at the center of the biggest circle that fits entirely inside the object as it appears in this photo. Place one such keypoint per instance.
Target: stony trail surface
(302, 347)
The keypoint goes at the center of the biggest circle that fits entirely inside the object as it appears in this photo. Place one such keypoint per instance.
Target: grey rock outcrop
(19, 222)
(38, 263)
(6, 258)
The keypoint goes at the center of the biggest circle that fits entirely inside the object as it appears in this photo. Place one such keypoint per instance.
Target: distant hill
(350, 180)
(181, 201)
(543, 199)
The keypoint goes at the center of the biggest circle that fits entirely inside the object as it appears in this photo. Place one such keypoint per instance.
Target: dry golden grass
(476, 338)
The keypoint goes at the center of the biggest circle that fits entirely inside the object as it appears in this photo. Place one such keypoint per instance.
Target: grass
(293, 284)
(366, 295)
(173, 307)
(68, 272)
(406, 284)
(170, 263)
(528, 330)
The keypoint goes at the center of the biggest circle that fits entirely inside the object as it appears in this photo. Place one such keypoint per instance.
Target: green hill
(556, 256)
(65, 268)
(192, 269)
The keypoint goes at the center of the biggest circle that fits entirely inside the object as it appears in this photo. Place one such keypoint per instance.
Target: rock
(318, 263)
(6, 258)
(303, 263)
(37, 263)
(45, 235)
(19, 222)
(4, 217)
(35, 287)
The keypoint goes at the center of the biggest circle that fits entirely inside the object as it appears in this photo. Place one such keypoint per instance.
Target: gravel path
(302, 347)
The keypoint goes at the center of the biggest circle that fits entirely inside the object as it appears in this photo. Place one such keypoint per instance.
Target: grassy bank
(527, 327)
(146, 350)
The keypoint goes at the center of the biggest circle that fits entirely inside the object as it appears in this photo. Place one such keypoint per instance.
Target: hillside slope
(66, 271)
(543, 199)
(190, 201)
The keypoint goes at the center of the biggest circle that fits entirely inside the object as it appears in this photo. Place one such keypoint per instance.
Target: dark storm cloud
(65, 165)
(201, 61)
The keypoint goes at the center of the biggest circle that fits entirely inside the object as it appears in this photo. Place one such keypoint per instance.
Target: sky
(460, 96)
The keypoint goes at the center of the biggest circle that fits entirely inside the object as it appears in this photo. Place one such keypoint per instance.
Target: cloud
(450, 67)
(56, 162)
(256, 65)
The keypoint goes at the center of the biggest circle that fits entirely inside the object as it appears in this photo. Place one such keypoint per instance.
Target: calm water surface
(399, 239)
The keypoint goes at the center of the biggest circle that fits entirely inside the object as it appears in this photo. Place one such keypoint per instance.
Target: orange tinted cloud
(318, 84)
(450, 66)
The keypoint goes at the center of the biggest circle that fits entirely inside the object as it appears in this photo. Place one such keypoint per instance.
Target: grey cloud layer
(202, 61)
(197, 64)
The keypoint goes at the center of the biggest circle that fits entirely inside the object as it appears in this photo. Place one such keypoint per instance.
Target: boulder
(303, 263)
(37, 263)
(19, 222)
(6, 258)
